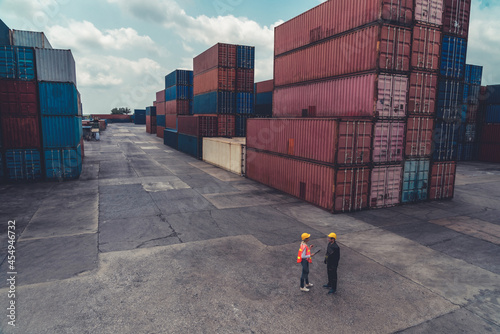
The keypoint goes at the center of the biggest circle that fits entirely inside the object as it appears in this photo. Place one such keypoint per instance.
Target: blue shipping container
(493, 113)
(190, 145)
(415, 180)
(17, 62)
(264, 110)
(453, 54)
(150, 111)
(445, 142)
(450, 100)
(471, 94)
(61, 131)
(4, 34)
(170, 138)
(140, 116)
(473, 74)
(245, 103)
(467, 151)
(264, 98)
(63, 164)
(245, 56)
(179, 78)
(241, 126)
(160, 120)
(220, 102)
(23, 165)
(58, 98)
(179, 93)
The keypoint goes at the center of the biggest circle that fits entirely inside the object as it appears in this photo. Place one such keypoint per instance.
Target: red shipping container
(20, 132)
(161, 108)
(490, 133)
(264, 86)
(226, 125)
(385, 185)
(347, 96)
(442, 180)
(383, 47)
(219, 55)
(471, 115)
(198, 125)
(489, 152)
(244, 80)
(388, 142)
(426, 48)
(148, 124)
(151, 124)
(216, 79)
(314, 139)
(177, 107)
(171, 121)
(419, 131)
(160, 96)
(334, 17)
(423, 93)
(337, 190)
(159, 131)
(18, 98)
(456, 17)
(112, 117)
(429, 12)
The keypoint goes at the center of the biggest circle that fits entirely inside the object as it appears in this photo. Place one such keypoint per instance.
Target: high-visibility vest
(308, 252)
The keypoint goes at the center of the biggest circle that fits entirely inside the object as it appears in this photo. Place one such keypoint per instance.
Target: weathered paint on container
(264, 86)
(453, 54)
(30, 39)
(388, 142)
(226, 153)
(58, 98)
(171, 121)
(61, 131)
(219, 55)
(423, 93)
(426, 48)
(245, 80)
(20, 132)
(179, 78)
(493, 113)
(456, 17)
(178, 107)
(365, 95)
(415, 180)
(63, 163)
(334, 17)
(198, 125)
(450, 100)
(489, 152)
(23, 165)
(170, 138)
(442, 180)
(55, 65)
(190, 145)
(385, 186)
(419, 132)
(215, 79)
(473, 74)
(445, 141)
(221, 102)
(429, 12)
(18, 98)
(17, 62)
(378, 47)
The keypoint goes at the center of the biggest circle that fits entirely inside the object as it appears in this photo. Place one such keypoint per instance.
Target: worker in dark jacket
(332, 258)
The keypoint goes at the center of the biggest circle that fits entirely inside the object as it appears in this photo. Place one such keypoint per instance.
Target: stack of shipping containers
(151, 119)
(264, 98)
(489, 121)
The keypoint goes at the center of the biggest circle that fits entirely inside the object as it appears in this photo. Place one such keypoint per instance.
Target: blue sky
(124, 48)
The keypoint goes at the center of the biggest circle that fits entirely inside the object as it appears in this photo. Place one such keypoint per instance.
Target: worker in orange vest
(304, 257)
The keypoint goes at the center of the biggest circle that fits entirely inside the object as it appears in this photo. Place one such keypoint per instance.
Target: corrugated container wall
(385, 186)
(30, 39)
(453, 55)
(18, 98)
(58, 99)
(219, 55)
(17, 62)
(190, 144)
(419, 134)
(55, 65)
(423, 93)
(179, 78)
(426, 48)
(23, 165)
(65, 163)
(20, 132)
(388, 142)
(170, 138)
(225, 153)
(264, 86)
(429, 12)
(456, 17)
(4, 34)
(61, 131)
(442, 180)
(140, 116)
(415, 180)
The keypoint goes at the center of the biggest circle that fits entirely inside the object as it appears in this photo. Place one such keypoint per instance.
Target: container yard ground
(150, 240)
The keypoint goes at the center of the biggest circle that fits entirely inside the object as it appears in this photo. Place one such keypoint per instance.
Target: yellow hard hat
(332, 235)
(305, 236)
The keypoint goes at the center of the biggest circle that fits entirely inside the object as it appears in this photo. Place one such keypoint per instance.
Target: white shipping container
(30, 39)
(55, 65)
(227, 153)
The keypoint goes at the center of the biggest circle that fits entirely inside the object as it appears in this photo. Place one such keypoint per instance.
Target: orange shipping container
(216, 79)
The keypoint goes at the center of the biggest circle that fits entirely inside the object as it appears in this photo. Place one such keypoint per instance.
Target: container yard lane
(152, 240)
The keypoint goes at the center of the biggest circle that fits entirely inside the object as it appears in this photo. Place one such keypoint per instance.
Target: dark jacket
(332, 256)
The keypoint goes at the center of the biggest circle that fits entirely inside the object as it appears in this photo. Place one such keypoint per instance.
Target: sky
(124, 48)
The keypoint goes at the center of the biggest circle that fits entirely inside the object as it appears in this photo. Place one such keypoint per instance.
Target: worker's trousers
(305, 273)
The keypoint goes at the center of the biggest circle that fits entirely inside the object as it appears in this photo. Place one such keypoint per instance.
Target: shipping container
(216, 79)
(63, 163)
(58, 98)
(150, 111)
(245, 103)
(450, 100)
(423, 92)
(4, 35)
(219, 55)
(453, 54)
(160, 131)
(456, 17)
(179, 93)
(426, 48)
(473, 74)
(225, 153)
(61, 131)
(170, 138)
(241, 125)
(17, 62)
(245, 57)
(385, 186)
(55, 65)
(388, 142)
(429, 12)
(419, 134)
(161, 108)
(467, 151)
(489, 152)
(198, 125)
(18, 98)
(264, 98)
(23, 165)
(178, 107)
(160, 120)
(190, 145)
(264, 86)
(263, 110)
(179, 78)
(415, 180)
(471, 113)
(226, 126)
(334, 17)
(30, 39)
(151, 124)
(490, 133)
(442, 180)
(220, 102)
(493, 113)
(140, 116)
(160, 96)
(471, 94)
(245, 80)
(491, 94)
(470, 133)
(20, 132)
(345, 97)
(378, 47)
(445, 141)
(171, 121)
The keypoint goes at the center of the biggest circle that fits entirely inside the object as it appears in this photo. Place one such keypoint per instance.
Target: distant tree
(120, 111)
